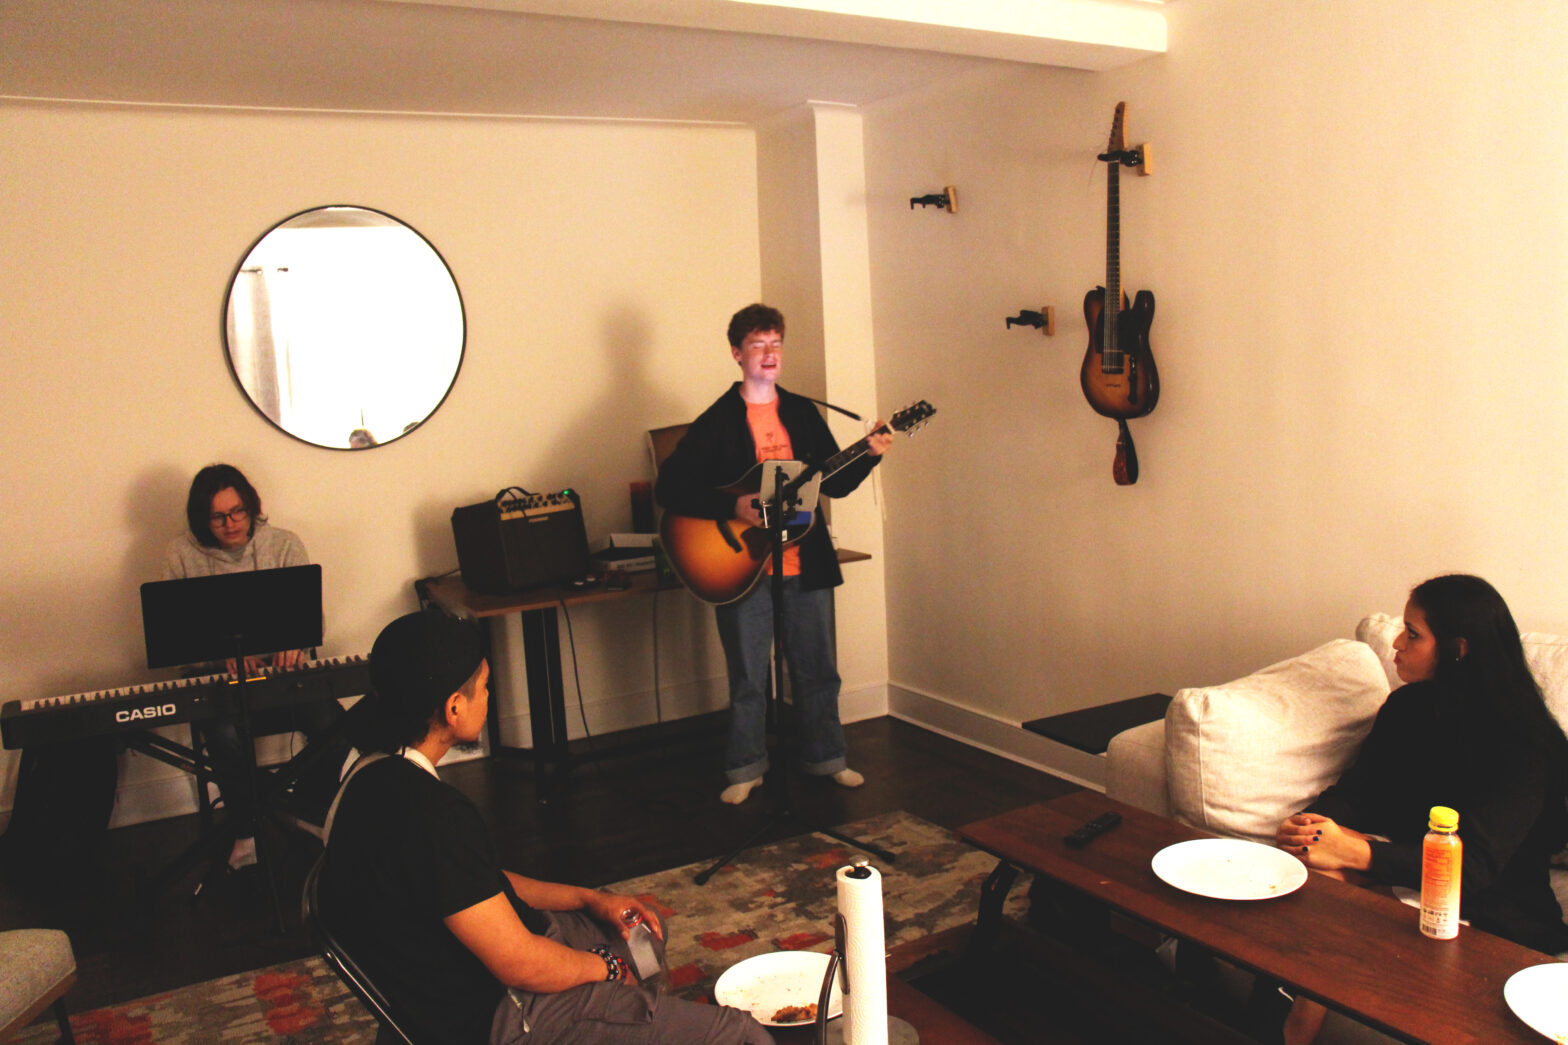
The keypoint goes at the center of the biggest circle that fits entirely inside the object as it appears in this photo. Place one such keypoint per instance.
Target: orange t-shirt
(773, 444)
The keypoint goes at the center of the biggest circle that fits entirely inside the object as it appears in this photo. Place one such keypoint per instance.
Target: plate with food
(779, 989)
(1229, 869)
(1539, 996)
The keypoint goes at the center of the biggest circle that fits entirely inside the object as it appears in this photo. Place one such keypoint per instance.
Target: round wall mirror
(344, 327)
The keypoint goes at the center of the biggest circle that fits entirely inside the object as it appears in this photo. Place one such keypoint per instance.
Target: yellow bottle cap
(1443, 818)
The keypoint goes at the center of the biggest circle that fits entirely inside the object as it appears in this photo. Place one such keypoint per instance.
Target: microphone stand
(777, 511)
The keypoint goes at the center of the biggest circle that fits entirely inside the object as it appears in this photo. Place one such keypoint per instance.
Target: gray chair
(347, 969)
(36, 969)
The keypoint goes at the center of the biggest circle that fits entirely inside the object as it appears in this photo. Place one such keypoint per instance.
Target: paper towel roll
(865, 957)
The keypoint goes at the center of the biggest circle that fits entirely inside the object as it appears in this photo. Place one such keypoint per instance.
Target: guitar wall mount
(1044, 320)
(1139, 156)
(946, 200)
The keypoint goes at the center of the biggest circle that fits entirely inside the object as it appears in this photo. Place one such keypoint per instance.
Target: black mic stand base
(777, 818)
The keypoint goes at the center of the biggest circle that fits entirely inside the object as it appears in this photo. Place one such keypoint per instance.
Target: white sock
(735, 794)
(848, 778)
(243, 854)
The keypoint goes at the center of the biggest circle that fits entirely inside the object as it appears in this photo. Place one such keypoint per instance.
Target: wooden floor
(613, 818)
(617, 817)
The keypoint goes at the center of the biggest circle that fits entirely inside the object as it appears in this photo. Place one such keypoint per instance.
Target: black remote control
(1093, 829)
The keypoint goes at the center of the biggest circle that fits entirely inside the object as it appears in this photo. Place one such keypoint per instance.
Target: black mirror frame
(228, 294)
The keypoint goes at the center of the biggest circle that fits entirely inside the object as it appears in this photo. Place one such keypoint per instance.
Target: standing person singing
(756, 420)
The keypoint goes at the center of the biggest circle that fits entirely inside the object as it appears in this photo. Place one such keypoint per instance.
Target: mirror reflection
(344, 327)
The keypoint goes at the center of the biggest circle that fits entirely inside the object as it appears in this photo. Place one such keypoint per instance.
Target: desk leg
(541, 676)
(546, 696)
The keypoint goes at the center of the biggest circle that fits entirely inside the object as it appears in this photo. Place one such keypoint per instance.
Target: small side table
(1091, 729)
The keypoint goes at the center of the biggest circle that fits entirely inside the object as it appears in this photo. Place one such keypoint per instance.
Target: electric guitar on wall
(1118, 376)
(720, 560)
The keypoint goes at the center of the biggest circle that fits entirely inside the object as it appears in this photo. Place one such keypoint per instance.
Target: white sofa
(1238, 758)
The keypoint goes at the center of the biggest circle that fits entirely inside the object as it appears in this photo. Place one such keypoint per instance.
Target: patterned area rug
(776, 897)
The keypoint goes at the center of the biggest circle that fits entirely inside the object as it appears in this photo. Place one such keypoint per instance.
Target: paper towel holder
(899, 1032)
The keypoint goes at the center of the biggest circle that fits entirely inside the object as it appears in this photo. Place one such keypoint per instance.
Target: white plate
(764, 984)
(1229, 869)
(1539, 996)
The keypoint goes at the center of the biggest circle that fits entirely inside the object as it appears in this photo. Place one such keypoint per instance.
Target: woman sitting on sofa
(1468, 730)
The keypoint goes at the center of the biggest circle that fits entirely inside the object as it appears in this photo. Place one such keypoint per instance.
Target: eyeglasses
(237, 515)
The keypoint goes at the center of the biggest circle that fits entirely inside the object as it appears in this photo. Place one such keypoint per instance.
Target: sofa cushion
(1242, 756)
(1546, 654)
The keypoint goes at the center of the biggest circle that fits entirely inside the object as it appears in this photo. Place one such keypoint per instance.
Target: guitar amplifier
(520, 540)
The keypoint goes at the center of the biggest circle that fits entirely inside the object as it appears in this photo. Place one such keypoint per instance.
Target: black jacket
(718, 449)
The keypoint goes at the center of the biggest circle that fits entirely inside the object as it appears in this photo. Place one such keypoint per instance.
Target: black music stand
(233, 616)
(785, 491)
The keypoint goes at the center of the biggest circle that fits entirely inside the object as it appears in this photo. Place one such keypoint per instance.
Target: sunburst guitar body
(720, 560)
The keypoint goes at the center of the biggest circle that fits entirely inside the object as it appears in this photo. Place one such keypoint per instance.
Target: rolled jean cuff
(828, 768)
(746, 774)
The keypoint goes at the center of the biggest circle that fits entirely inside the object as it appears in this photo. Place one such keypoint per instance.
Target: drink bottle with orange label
(1442, 863)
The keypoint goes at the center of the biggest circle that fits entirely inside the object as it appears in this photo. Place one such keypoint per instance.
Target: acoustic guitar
(1118, 376)
(721, 560)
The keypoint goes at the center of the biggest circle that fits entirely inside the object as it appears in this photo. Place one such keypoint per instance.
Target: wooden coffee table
(1356, 950)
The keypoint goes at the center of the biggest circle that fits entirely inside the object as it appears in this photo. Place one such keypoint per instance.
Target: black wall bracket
(946, 200)
(1044, 320)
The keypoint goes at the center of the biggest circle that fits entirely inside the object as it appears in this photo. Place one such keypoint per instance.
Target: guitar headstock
(1118, 140)
(912, 417)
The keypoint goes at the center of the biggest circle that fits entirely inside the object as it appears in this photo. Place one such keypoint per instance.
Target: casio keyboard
(49, 720)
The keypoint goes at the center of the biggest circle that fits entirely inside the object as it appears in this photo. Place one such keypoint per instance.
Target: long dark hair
(209, 482)
(1491, 670)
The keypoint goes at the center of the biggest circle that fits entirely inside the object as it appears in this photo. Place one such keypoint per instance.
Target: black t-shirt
(406, 851)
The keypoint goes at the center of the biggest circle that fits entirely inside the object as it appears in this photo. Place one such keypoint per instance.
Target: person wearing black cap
(412, 883)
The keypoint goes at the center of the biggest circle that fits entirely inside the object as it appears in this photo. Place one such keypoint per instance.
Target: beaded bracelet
(614, 966)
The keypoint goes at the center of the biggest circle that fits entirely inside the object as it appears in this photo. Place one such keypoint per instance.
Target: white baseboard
(1007, 739)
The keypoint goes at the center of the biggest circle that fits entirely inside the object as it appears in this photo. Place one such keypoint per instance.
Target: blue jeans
(746, 631)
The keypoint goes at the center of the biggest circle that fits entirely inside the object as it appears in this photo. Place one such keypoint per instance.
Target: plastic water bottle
(647, 959)
(1442, 865)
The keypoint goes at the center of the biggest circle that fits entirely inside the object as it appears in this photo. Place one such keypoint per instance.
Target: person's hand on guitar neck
(880, 439)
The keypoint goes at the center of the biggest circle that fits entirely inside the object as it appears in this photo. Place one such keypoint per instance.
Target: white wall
(1356, 232)
(598, 264)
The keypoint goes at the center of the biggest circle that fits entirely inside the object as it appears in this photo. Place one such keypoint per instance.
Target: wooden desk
(537, 612)
(1355, 950)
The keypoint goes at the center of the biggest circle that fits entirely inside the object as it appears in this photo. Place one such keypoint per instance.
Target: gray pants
(614, 1013)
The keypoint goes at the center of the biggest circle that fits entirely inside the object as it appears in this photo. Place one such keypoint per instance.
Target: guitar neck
(849, 455)
(1113, 266)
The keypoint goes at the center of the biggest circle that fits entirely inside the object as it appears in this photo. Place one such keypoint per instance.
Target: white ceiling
(690, 60)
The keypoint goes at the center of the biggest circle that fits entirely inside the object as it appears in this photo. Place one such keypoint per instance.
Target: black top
(406, 850)
(718, 450)
(1426, 748)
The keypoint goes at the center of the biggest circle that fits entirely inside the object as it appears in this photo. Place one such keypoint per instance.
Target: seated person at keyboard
(413, 887)
(227, 533)
(1468, 730)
